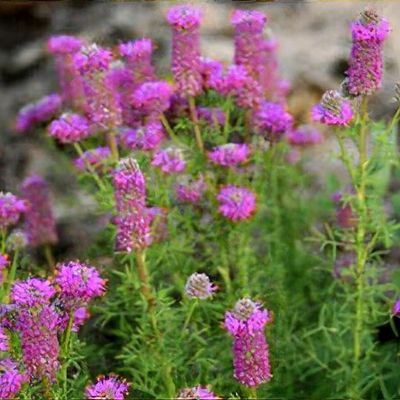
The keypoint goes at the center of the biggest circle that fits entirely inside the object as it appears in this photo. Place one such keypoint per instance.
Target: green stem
(89, 167)
(11, 276)
(144, 277)
(112, 144)
(360, 250)
(192, 307)
(49, 257)
(196, 127)
(3, 234)
(251, 393)
(65, 352)
(169, 129)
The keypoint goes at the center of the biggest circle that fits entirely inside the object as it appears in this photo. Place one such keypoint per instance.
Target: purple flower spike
(11, 208)
(197, 392)
(153, 98)
(236, 203)
(32, 293)
(246, 323)
(272, 120)
(132, 220)
(79, 283)
(169, 160)
(199, 286)
(147, 137)
(189, 190)
(92, 59)
(40, 225)
(229, 155)
(249, 26)
(70, 128)
(186, 65)
(366, 59)
(39, 341)
(332, 110)
(396, 308)
(111, 387)
(11, 379)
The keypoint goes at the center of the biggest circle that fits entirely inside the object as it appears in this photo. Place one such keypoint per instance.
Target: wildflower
(189, 190)
(199, 286)
(246, 324)
(152, 98)
(197, 393)
(11, 379)
(31, 293)
(146, 137)
(170, 160)
(236, 203)
(332, 110)
(78, 283)
(229, 155)
(40, 225)
(70, 128)
(212, 115)
(211, 72)
(17, 240)
(11, 208)
(4, 340)
(3, 265)
(102, 102)
(272, 120)
(39, 341)
(249, 26)
(238, 83)
(41, 111)
(185, 21)
(396, 308)
(132, 221)
(138, 56)
(304, 135)
(95, 157)
(366, 59)
(111, 387)
(64, 47)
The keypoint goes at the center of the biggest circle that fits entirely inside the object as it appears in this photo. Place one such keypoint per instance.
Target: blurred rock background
(314, 46)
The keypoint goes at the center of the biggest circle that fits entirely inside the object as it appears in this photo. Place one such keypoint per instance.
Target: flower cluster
(189, 190)
(11, 208)
(70, 128)
(11, 379)
(199, 286)
(246, 324)
(146, 137)
(40, 225)
(333, 109)
(41, 111)
(111, 387)
(304, 135)
(169, 160)
(229, 155)
(197, 392)
(236, 203)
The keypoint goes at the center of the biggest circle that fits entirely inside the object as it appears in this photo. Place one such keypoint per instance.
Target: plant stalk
(195, 120)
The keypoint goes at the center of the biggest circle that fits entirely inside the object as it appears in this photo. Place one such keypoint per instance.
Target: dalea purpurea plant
(223, 268)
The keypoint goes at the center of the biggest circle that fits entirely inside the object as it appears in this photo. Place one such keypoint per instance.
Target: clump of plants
(224, 270)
